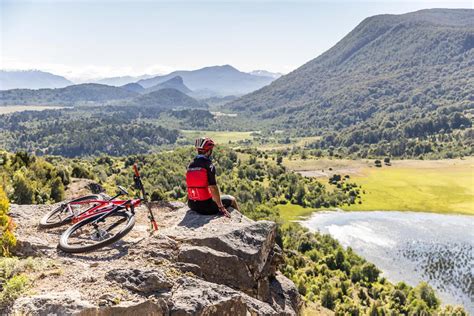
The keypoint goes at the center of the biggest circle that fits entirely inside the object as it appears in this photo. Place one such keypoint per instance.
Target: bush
(23, 191)
(79, 171)
(13, 288)
(57, 190)
(158, 195)
(370, 272)
(7, 238)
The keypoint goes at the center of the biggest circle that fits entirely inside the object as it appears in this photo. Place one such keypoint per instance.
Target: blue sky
(89, 39)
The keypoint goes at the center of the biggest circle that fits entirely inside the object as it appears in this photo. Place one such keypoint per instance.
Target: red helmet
(204, 144)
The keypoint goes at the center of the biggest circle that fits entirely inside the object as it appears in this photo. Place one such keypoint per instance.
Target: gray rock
(64, 303)
(158, 247)
(145, 308)
(188, 267)
(198, 297)
(218, 267)
(140, 280)
(251, 243)
(284, 295)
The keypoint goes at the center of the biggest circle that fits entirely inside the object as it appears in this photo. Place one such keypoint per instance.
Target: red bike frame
(101, 207)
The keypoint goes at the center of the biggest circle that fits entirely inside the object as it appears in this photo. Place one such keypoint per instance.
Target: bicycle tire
(64, 244)
(44, 221)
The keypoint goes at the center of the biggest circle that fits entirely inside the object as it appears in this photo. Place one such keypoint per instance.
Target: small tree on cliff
(7, 238)
(23, 192)
(57, 189)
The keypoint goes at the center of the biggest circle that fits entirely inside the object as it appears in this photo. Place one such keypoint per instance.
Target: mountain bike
(107, 223)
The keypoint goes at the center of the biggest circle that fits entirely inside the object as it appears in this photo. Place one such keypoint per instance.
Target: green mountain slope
(392, 77)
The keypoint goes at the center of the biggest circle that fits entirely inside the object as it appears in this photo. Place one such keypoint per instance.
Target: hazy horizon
(86, 40)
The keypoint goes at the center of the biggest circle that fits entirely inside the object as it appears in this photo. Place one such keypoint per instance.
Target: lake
(410, 247)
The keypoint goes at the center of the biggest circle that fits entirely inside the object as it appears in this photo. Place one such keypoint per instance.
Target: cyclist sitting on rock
(203, 193)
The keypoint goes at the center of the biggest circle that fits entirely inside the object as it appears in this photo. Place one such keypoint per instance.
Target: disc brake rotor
(99, 234)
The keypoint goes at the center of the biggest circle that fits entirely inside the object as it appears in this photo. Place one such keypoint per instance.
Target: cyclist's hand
(224, 211)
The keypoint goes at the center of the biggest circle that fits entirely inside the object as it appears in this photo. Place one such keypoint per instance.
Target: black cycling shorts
(209, 207)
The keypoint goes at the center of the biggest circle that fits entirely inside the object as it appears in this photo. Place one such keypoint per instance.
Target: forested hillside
(82, 132)
(71, 95)
(393, 78)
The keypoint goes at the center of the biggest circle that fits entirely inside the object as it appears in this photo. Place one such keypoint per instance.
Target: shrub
(158, 195)
(23, 191)
(370, 272)
(7, 238)
(79, 171)
(13, 288)
(57, 190)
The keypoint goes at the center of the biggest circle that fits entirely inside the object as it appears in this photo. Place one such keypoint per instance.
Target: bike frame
(101, 207)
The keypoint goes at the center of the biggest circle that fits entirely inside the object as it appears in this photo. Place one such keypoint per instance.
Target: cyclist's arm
(211, 178)
(216, 195)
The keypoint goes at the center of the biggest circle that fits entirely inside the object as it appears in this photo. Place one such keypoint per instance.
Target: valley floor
(441, 186)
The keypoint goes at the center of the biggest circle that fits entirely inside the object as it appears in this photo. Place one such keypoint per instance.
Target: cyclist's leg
(207, 207)
(229, 201)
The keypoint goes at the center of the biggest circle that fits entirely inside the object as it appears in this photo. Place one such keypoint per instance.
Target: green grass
(440, 186)
(220, 137)
(291, 212)
(18, 108)
(446, 190)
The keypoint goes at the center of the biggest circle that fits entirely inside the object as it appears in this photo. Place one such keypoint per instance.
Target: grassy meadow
(18, 108)
(220, 137)
(441, 186)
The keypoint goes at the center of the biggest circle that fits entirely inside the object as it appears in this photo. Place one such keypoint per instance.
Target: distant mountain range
(31, 79)
(214, 81)
(393, 76)
(166, 98)
(123, 80)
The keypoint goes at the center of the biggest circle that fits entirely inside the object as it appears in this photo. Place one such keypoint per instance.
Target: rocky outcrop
(193, 265)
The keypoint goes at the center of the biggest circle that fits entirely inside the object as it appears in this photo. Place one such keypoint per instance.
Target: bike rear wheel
(90, 234)
(61, 215)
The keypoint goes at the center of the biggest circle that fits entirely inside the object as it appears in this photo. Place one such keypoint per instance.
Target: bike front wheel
(91, 233)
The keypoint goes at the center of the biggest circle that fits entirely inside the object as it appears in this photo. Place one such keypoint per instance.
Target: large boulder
(198, 297)
(193, 265)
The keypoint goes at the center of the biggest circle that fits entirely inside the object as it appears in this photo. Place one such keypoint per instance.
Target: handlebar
(122, 190)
